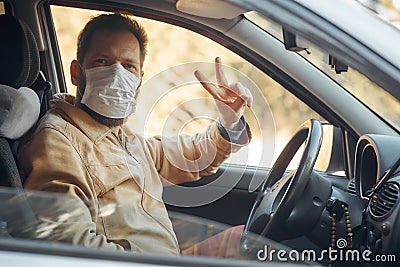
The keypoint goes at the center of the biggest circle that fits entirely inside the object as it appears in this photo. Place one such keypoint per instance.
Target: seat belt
(41, 86)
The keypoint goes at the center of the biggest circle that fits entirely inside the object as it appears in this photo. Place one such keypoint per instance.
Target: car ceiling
(214, 9)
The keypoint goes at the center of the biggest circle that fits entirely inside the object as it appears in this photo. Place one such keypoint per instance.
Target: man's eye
(130, 66)
(101, 61)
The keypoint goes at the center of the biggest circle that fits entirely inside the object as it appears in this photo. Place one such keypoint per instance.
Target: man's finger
(242, 92)
(250, 101)
(207, 84)
(221, 78)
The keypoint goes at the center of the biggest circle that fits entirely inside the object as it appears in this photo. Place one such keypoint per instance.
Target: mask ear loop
(81, 80)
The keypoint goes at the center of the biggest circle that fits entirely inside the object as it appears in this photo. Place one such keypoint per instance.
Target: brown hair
(112, 22)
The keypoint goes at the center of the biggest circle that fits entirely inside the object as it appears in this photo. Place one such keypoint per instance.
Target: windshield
(370, 94)
(387, 10)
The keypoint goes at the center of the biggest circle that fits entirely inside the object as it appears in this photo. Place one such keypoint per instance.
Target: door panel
(233, 206)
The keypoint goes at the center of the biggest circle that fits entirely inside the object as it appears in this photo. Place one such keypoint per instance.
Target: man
(80, 147)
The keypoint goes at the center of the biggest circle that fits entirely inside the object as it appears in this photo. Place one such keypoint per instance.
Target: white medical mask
(110, 91)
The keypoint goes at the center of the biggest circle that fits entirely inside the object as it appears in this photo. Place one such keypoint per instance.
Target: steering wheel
(281, 192)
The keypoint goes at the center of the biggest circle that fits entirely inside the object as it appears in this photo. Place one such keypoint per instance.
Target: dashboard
(377, 183)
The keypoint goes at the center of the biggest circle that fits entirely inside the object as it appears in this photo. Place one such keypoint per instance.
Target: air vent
(351, 187)
(383, 202)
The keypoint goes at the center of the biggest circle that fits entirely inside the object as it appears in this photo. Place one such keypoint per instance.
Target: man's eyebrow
(131, 60)
(100, 55)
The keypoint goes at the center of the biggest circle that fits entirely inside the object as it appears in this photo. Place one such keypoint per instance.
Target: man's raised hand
(231, 99)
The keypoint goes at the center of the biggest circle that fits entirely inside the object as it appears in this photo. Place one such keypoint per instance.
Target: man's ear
(141, 78)
(74, 70)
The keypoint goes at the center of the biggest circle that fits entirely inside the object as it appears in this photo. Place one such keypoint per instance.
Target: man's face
(107, 48)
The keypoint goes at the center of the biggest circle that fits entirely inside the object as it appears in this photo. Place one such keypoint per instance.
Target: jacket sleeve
(186, 158)
(49, 162)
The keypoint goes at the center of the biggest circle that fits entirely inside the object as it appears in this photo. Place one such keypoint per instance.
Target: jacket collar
(94, 130)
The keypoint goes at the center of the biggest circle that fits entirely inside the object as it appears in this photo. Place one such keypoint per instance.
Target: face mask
(110, 91)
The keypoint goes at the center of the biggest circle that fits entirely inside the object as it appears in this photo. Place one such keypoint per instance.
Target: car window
(47, 217)
(2, 8)
(171, 101)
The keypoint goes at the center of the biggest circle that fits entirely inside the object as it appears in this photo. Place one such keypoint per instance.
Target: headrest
(19, 54)
(19, 110)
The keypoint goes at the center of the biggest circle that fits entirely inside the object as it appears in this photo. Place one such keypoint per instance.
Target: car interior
(354, 198)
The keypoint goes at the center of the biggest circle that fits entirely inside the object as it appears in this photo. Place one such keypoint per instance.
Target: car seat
(19, 111)
(19, 105)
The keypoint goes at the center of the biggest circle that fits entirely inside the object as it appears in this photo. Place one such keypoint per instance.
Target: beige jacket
(118, 177)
